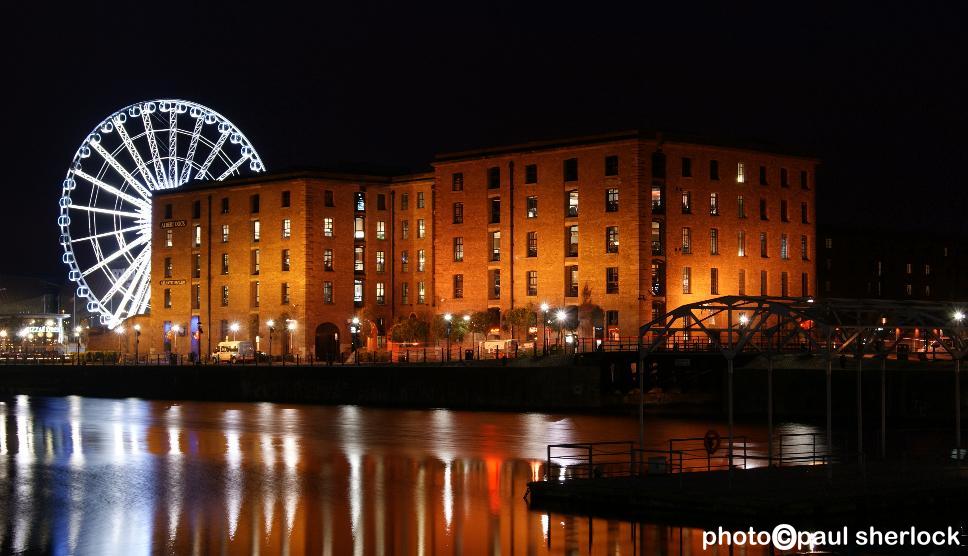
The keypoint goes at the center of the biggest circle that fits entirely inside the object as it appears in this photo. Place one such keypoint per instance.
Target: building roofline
(290, 175)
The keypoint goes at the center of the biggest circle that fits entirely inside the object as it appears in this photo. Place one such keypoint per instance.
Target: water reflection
(136, 477)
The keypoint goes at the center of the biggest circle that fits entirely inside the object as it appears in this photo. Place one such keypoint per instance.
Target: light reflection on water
(100, 476)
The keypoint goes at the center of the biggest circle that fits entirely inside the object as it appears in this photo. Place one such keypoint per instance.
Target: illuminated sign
(167, 224)
(172, 282)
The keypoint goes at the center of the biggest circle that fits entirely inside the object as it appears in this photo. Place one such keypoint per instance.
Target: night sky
(877, 93)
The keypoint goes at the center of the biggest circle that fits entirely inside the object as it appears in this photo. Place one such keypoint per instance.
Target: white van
(234, 352)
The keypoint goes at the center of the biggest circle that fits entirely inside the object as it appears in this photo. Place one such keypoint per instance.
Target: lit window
(458, 286)
(255, 261)
(327, 259)
(381, 264)
(381, 230)
(225, 296)
(495, 246)
(458, 213)
(225, 263)
(328, 227)
(404, 261)
(358, 292)
(359, 227)
(421, 293)
(358, 259)
(532, 207)
(168, 268)
(572, 209)
(532, 282)
(686, 202)
(611, 200)
(714, 204)
(458, 249)
(286, 228)
(611, 280)
(198, 235)
(405, 229)
(611, 239)
(256, 230)
(327, 292)
(359, 199)
(740, 207)
(740, 172)
(741, 243)
(421, 260)
(784, 247)
(532, 244)
(421, 228)
(285, 260)
(168, 238)
(686, 241)
(380, 293)
(686, 279)
(420, 200)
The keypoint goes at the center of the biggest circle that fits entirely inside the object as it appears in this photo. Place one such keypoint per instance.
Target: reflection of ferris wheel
(105, 208)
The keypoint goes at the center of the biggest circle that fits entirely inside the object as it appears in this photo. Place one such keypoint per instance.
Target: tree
(590, 315)
(519, 318)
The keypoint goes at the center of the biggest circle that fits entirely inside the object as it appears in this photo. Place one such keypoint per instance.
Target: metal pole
(769, 410)
(884, 407)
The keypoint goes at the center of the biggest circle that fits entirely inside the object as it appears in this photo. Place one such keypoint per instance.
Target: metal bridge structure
(769, 326)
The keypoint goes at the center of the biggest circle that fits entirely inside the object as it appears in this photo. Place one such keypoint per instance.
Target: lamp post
(959, 318)
(467, 325)
(561, 315)
(272, 328)
(447, 318)
(355, 338)
(137, 341)
(544, 329)
(77, 338)
(234, 327)
(120, 332)
(291, 327)
(176, 329)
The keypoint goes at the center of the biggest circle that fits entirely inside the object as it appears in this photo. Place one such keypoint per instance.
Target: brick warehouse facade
(627, 222)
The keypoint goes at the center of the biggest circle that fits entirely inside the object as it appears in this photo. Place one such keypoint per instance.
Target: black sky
(878, 92)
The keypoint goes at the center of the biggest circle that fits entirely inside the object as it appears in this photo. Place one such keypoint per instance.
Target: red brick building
(627, 223)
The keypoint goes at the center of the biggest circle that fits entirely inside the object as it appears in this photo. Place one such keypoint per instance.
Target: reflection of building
(888, 266)
(623, 225)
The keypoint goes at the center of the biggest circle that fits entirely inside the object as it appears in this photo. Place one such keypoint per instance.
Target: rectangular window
(686, 167)
(714, 170)
(763, 175)
(532, 282)
(196, 296)
(256, 231)
(285, 260)
(531, 174)
(784, 178)
(804, 252)
(572, 208)
(255, 262)
(168, 211)
(784, 215)
(803, 180)
(168, 268)
(197, 235)
(763, 283)
(380, 293)
(405, 201)
(741, 243)
(611, 200)
(657, 206)
(656, 237)
(457, 181)
(421, 293)
(611, 165)
(784, 285)
(570, 169)
(328, 260)
(359, 228)
(254, 203)
(763, 214)
(381, 230)
(611, 279)
(804, 285)
(495, 244)
(572, 238)
(458, 213)
(225, 296)
(225, 263)
(286, 228)
(405, 293)
(740, 172)
(381, 261)
(168, 296)
(763, 245)
(713, 241)
(532, 244)
(420, 199)
(381, 201)
(458, 249)
(404, 229)
(169, 238)
(327, 227)
(284, 298)
(421, 228)
(196, 265)
(493, 178)
(686, 241)
(686, 279)
(686, 202)
(196, 209)
(532, 207)
(458, 286)
(358, 259)
(327, 292)
(803, 213)
(784, 247)
(713, 281)
(611, 318)
(494, 284)
(740, 207)
(571, 281)
(225, 205)
(404, 261)
(421, 260)
(741, 282)
(286, 199)
(495, 210)
(714, 204)
(359, 200)
(611, 239)
(328, 198)
(358, 292)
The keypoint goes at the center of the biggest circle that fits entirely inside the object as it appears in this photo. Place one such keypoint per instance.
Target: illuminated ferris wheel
(105, 208)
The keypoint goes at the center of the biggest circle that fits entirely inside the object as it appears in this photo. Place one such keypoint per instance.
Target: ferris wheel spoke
(192, 145)
(140, 203)
(140, 260)
(134, 296)
(153, 145)
(217, 148)
(141, 217)
(117, 254)
(136, 156)
(121, 170)
(138, 228)
(235, 166)
(173, 148)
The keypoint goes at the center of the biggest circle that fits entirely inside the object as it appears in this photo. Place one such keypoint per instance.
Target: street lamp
(234, 327)
(743, 319)
(176, 329)
(544, 329)
(77, 338)
(272, 328)
(959, 316)
(120, 332)
(561, 316)
(291, 327)
(355, 337)
(447, 318)
(137, 341)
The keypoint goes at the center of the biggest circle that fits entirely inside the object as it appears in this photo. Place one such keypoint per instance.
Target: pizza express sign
(169, 224)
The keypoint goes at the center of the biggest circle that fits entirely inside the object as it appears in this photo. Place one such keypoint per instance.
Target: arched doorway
(327, 342)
